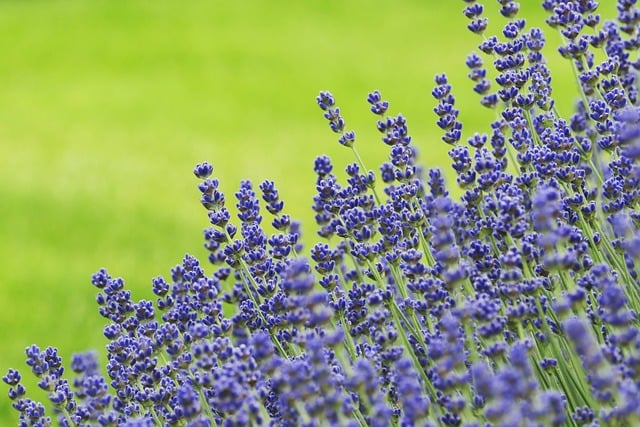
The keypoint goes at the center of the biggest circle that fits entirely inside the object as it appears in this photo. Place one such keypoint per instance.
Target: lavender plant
(515, 304)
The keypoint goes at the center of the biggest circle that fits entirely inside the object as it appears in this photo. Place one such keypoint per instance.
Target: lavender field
(459, 247)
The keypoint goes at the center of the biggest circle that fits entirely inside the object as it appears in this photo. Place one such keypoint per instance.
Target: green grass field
(105, 106)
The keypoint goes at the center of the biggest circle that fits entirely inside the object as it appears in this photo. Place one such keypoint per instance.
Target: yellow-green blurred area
(106, 106)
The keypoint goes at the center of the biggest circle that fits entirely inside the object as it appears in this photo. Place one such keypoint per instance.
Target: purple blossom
(511, 300)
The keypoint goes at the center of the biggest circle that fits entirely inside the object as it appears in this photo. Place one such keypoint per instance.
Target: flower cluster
(514, 304)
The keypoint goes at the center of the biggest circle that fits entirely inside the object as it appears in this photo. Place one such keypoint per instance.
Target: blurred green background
(105, 107)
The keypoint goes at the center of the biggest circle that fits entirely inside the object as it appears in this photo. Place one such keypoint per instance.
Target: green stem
(364, 171)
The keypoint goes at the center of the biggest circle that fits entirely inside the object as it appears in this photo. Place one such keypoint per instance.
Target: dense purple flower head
(447, 114)
(378, 105)
(326, 102)
(203, 170)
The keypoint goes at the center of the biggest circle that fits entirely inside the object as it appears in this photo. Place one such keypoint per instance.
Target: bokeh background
(106, 105)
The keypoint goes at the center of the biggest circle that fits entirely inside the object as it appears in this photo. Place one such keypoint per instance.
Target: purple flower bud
(203, 170)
